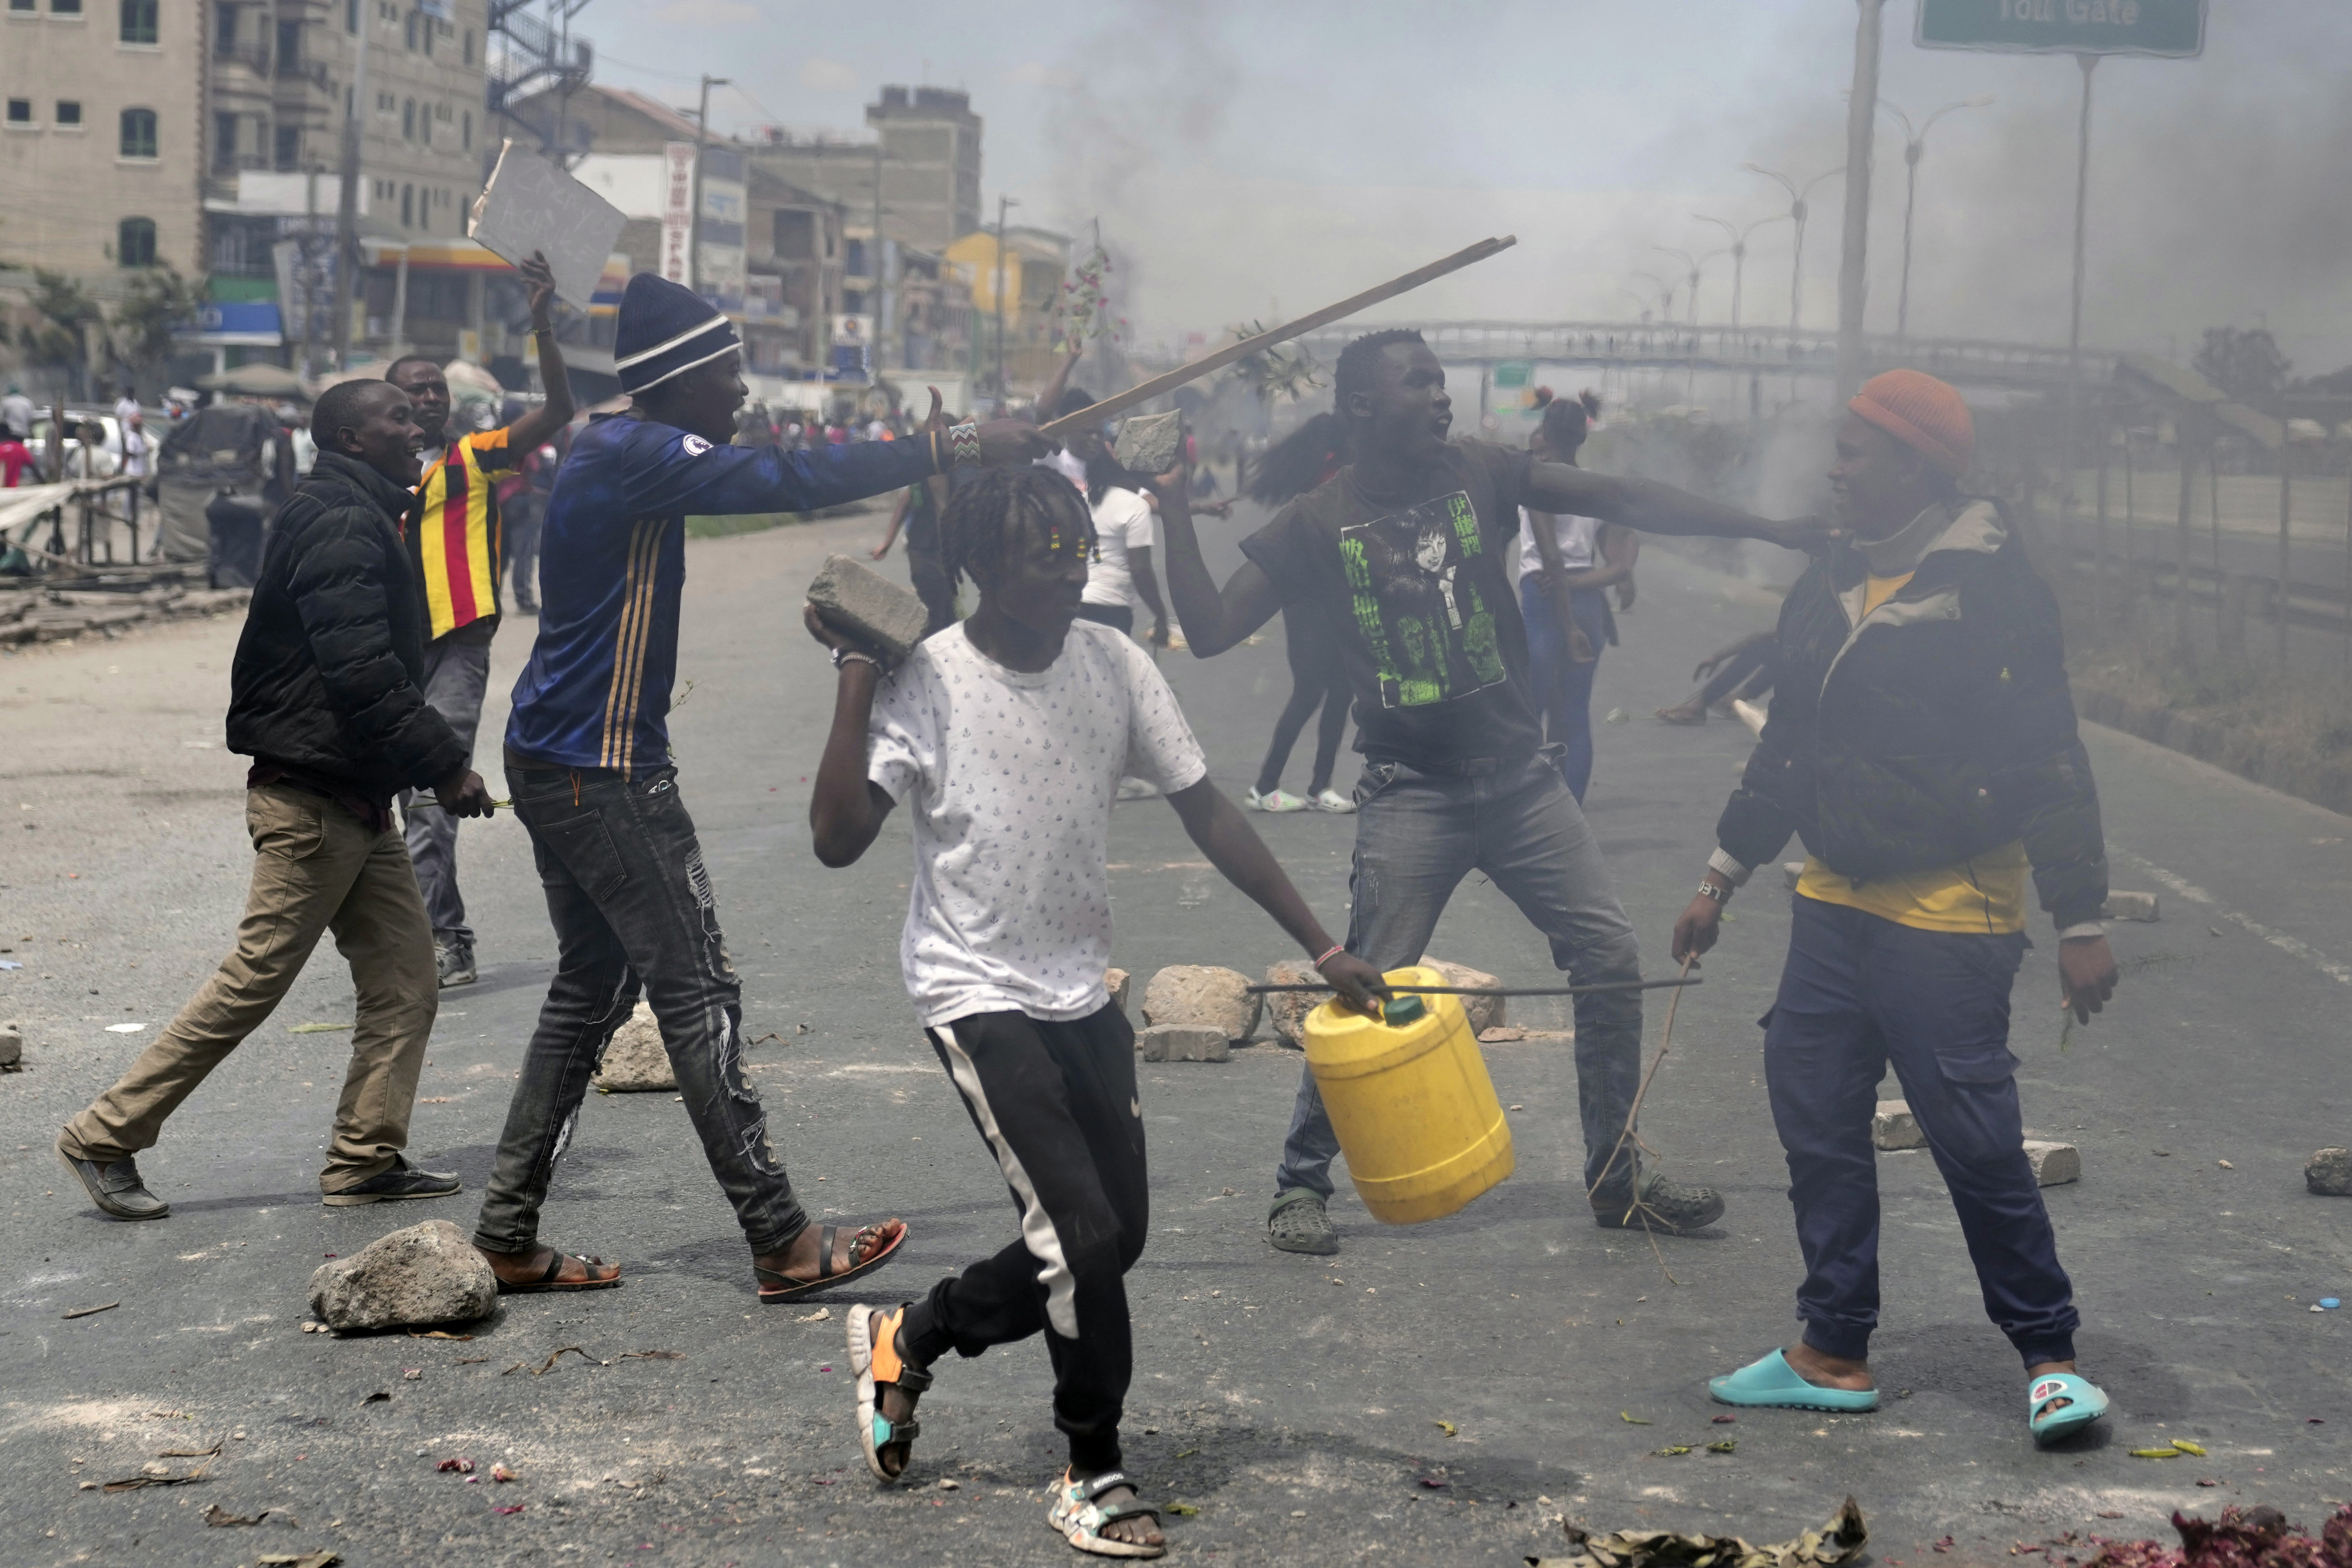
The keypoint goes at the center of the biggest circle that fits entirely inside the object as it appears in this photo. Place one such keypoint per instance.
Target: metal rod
(1505, 990)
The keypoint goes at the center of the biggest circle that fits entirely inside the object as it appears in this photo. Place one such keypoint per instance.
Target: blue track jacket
(613, 557)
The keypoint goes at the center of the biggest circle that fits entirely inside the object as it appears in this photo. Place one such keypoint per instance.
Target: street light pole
(1797, 209)
(2088, 63)
(1914, 145)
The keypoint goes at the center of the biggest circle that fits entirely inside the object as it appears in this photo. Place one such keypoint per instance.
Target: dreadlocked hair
(1354, 373)
(1297, 463)
(987, 515)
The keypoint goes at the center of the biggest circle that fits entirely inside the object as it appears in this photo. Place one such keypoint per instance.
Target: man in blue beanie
(588, 764)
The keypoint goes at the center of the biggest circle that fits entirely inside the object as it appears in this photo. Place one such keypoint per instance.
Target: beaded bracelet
(1337, 948)
(963, 444)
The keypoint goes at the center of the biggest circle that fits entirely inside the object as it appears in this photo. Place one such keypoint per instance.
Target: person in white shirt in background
(1564, 642)
(1004, 737)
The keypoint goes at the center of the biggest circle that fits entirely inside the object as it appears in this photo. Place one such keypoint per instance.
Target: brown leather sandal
(787, 1289)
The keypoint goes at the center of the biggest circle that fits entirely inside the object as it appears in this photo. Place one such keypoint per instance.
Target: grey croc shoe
(1298, 1223)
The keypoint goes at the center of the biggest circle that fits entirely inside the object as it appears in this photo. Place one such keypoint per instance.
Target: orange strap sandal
(874, 1356)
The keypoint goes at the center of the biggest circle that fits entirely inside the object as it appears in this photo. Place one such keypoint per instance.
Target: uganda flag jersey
(596, 692)
(454, 533)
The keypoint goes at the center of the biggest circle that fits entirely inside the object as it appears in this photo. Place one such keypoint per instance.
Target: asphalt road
(1295, 1401)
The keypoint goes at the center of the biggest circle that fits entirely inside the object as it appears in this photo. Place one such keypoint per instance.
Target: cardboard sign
(530, 204)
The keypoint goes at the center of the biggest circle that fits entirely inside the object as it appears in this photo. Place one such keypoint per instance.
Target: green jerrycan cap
(1402, 1010)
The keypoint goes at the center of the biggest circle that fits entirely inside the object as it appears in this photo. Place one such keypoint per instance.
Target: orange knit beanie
(1922, 413)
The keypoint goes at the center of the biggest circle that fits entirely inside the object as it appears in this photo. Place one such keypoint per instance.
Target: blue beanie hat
(664, 329)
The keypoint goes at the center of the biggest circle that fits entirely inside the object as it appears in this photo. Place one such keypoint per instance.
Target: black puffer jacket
(1941, 729)
(330, 672)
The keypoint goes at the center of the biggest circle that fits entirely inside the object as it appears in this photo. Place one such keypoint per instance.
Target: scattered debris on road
(88, 1312)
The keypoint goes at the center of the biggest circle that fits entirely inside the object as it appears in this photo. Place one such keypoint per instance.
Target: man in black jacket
(326, 696)
(1923, 744)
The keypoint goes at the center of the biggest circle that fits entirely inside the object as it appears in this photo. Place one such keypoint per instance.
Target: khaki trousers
(315, 869)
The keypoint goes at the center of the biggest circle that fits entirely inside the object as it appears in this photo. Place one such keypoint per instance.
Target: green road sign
(1514, 372)
(2175, 28)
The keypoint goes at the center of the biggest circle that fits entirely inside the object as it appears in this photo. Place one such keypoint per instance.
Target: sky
(1245, 160)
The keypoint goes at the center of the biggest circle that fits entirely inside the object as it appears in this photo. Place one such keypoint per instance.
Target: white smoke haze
(1238, 156)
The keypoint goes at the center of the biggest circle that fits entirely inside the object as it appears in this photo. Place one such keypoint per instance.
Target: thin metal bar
(1505, 990)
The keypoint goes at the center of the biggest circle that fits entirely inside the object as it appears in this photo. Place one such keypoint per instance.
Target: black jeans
(633, 907)
(1056, 1104)
(1318, 674)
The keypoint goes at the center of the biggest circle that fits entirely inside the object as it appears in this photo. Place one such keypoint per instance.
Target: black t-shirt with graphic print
(1414, 581)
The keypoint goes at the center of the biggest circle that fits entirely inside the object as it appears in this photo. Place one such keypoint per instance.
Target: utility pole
(1853, 253)
(347, 206)
(2074, 315)
(310, 272)
(701, 151)
(1002, 202)
(881, 283)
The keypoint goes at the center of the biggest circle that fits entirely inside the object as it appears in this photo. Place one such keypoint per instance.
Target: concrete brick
(1894, 1127)
(1792, 870)
(1202, 993)
(1185, 1043)
(12, 1049)
(1116, 982)
(1147, 443)
(2131, 906)
(2329, 1173)
(868, 607)
(635, 1061)
(2054, 1165)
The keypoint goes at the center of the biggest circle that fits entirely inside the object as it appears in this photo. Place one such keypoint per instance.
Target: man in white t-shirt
(1005, 737)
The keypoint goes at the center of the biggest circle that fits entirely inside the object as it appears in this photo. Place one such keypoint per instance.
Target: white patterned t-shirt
(1010, 778)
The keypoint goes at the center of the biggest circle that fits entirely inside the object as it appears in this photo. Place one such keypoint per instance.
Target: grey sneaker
(1669, 1208)
(116, 1189)
(455, 962)
(402, 1181)
(1298, 1223)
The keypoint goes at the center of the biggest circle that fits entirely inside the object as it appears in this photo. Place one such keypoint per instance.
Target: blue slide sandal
(2049, 1425)
(1773, 1384)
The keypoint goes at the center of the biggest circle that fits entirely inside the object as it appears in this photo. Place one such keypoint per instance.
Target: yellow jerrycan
(1410, 1097)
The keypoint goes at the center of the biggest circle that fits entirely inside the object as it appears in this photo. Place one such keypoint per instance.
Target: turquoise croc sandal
(2049, 1425)
(1772, 1383)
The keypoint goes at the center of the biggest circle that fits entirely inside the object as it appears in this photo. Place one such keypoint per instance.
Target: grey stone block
(1205, 994)
(415, 1277)
(1185, 1043)
(1147, 443)
(1118, 982)
(1792, 870)
(12, 1049)
(1288, 1010)
(1894, 1127)
(868, 607)
(1484, 1013)
(2054, 1165)
(635, 1061)
(2131, 906)
(2329, 1173)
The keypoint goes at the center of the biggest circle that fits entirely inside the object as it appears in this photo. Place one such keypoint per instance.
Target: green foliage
(2247, 365)
(62, 308)
(155, 300)
(1282, 371)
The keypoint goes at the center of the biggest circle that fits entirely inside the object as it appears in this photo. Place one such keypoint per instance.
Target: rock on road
(1295, 1401)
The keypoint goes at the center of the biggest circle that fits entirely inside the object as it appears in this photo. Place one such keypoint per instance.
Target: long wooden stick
(1119, 403)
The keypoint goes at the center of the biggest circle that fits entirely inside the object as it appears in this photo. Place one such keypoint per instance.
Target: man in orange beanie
(1923, 744)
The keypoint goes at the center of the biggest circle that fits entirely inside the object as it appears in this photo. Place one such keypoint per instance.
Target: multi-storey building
(102, 134)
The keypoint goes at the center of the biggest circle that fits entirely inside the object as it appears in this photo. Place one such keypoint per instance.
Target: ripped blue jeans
(633, 909)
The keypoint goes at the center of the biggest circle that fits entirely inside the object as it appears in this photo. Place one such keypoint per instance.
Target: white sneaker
(1137, 789)
(1332, 800)
(1274, 800)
